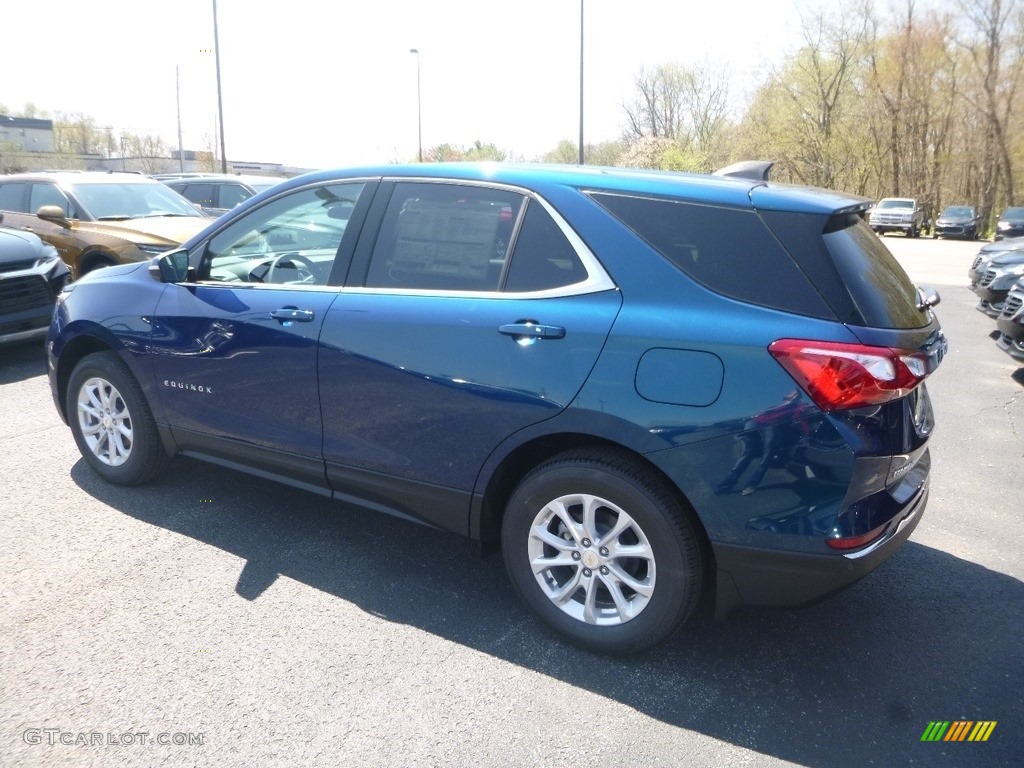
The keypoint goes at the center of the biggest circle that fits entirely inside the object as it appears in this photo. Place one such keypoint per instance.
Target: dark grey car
(957, 221)
(31, 276)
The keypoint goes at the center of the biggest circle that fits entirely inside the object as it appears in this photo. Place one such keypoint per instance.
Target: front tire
(111, 421)
(596, 546)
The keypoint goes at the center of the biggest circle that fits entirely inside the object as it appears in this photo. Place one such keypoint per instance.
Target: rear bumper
(759, 577)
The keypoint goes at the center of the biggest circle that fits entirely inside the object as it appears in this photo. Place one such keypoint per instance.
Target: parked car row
(907, 215)
(59, 226)
(997, 277)
(217, 194)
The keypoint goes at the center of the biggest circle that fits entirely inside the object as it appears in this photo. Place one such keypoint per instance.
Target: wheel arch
(92, 259)
(488, 508)
(74, 351)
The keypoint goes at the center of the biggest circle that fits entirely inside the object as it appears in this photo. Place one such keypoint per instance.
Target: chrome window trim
(597, 281)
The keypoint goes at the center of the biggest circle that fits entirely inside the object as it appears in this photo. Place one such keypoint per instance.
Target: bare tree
(657, 110)
(994, 48)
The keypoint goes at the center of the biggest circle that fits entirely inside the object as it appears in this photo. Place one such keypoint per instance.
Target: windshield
(1013, 213)
(896, 204)
(114, 201)
(958, 210)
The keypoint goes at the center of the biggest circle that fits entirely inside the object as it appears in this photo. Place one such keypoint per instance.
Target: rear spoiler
(756, 170)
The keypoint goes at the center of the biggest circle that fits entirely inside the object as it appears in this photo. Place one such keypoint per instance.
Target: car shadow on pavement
(854, 680)
(19, 362)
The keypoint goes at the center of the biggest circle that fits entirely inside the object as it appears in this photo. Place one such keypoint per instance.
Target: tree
(566, 153)
(477, 151)
(77, 133)
(994, 49)
(147, 152)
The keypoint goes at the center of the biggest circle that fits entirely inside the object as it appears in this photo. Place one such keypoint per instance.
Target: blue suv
(648, 389)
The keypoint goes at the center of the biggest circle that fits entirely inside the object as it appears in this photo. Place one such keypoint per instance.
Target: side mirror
(927, 297)
(55, 214)
(170, 267)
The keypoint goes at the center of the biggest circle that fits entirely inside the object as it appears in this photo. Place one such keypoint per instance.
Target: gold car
(96, 219)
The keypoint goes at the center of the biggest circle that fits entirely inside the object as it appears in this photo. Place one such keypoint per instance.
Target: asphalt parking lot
(216, 619)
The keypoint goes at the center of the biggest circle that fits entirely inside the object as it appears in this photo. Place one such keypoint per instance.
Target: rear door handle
(292, 315)
(527, 329)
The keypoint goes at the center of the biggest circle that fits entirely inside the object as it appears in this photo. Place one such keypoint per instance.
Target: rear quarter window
(728, 250)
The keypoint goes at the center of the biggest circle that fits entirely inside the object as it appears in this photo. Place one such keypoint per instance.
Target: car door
(20, 202)
(479, 313)
(234, 352)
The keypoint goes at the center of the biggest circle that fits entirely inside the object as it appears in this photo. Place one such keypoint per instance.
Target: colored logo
(958, 730)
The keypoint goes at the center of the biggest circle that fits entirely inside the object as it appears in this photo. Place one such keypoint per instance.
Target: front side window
(446, 237)
(49, 194)
(232, 194)
(293, 240)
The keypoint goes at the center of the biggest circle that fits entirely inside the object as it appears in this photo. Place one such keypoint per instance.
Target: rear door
(479, 313)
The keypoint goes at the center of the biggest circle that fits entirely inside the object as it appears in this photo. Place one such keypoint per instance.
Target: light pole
(220, 101)
(419, 104)
(581, 83)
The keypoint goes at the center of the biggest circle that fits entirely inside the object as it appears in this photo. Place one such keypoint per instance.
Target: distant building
(26, 143)
(26, 134)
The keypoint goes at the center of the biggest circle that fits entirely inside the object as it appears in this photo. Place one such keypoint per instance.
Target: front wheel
(601, 552)
(111, 421)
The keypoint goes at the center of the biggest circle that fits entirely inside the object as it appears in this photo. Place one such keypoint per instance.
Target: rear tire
(111, 421)
(596, 546)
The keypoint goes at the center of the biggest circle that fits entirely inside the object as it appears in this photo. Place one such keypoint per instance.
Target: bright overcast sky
(316, 83)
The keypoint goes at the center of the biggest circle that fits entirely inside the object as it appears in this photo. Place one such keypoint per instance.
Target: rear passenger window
(542, 257)
(729, 250)
(200, 194)
(12, 197)
(444, 237)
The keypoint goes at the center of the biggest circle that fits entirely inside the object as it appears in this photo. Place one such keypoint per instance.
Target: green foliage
(477, 151)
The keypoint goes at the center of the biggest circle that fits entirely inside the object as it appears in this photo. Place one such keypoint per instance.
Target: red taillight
(853, 542)
(839, 376)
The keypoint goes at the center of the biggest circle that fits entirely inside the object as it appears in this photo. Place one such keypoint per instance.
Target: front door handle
(528, 329)
(292, 315)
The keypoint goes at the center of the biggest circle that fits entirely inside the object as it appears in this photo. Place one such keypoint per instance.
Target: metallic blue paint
(420, 400)
(425, 387)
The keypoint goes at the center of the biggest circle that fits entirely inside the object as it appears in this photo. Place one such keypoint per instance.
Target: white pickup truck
(898, 214)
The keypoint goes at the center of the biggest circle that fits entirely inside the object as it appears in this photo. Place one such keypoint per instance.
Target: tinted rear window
(729, 250)
(879, 287)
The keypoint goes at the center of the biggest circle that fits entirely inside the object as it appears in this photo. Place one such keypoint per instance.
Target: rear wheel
(601, 552)
(111, 421)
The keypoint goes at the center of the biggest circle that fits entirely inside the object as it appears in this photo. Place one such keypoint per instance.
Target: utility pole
(220, 100)
(181, 151)
(581, 83)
